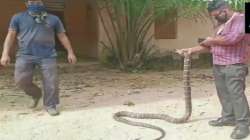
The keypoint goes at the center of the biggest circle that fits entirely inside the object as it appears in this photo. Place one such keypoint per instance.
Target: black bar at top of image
(247, 17)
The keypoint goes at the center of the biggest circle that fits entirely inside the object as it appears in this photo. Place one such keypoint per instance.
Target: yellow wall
(188, 33)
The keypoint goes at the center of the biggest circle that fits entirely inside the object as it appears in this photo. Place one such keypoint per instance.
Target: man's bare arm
(8, 44)
(200, 49)
(67, 45)
(193, 50)
(65, 42)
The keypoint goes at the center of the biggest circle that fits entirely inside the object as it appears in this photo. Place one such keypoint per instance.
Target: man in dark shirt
(35, 30)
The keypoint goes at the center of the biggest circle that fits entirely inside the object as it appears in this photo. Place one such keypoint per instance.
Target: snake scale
(120, 116)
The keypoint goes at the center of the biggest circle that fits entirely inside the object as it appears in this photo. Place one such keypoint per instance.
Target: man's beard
(222, 18)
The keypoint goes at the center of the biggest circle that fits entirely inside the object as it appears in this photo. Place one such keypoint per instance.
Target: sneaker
(222, 122)
(52, 111)
(240, 132)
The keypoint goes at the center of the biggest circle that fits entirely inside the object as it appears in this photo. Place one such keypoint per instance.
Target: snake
(122, 115)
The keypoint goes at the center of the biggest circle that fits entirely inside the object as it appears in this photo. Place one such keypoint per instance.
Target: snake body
(120, 116)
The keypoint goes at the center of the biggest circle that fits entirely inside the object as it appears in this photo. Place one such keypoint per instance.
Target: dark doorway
(56, 7)
(82, 27)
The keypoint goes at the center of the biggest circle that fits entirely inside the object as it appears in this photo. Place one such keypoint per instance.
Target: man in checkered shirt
(230, 49)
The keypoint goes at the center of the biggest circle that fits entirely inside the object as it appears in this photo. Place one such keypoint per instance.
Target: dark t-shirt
(36, 39)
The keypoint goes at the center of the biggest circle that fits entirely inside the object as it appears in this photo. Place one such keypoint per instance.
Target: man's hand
(8, 43)
(72, 58)
(5, 60)
(67, 45)
(186, 51)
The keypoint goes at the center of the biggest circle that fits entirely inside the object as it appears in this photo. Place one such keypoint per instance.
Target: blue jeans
(24, 69)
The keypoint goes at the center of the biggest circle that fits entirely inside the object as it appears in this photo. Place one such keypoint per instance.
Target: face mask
(38, 12)
(222, 17)
(35, 8)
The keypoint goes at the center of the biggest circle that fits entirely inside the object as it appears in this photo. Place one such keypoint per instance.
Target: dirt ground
(90, 94)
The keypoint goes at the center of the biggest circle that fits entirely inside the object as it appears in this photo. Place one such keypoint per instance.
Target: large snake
(119, 116)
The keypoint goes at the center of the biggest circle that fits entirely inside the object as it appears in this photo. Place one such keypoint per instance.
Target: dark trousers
(230, 85)
(24, 69)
